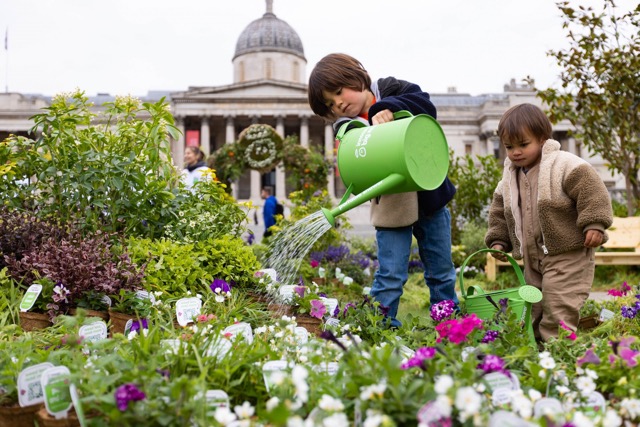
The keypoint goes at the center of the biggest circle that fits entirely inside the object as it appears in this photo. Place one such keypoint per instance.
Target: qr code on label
(34, 391)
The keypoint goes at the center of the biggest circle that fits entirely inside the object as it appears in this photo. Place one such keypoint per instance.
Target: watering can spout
(330, 217)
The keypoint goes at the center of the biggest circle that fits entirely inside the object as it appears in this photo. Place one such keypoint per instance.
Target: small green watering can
(407, 154)
(486, 304)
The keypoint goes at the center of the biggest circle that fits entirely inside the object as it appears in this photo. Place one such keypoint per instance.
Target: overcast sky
(134, 46)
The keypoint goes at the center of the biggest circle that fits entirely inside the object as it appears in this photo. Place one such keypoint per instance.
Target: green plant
(127, 301)
(306, 168)
(228, 163)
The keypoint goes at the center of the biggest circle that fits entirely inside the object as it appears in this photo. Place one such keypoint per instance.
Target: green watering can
(486, 304)
(400, 156)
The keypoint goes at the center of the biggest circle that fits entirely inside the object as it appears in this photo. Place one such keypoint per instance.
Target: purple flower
(163, 372)
(137, 325)
(493, 363)
(336, 311)
(128, 393)
(318, 309)
(490, 336)
(421, 355)
(589, 357)
(442, 310)
(347, 307)
(219, 285)
(628, 312)
(60, 293)
(300, 291)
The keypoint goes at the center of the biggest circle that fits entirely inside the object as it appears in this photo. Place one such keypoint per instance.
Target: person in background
(340, 90)
(195, 166)
(551, 209)
(269, 209)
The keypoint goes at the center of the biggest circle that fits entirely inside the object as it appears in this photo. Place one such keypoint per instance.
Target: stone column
(256, 178)
(230, 130)
(177, 146)
(304, 131)
(281, 188)
(205, 139)
(329, 143)
(571, 146)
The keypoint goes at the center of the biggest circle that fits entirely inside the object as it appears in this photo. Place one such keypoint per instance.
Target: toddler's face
(347, 102)
(525, 152)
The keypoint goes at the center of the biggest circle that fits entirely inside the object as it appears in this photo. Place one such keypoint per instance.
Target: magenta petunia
(318, 309)
(420, 356)
(589, 357)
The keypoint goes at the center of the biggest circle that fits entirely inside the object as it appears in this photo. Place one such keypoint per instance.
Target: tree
(600, 92)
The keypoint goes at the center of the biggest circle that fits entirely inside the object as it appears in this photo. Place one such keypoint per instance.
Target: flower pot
(18, 416)
(104, 315)
(46, 420)
(318, 281)
(278, 310)
(119, 321)
(313, 325)
(258, 297)
(30, 321)
(588, 322)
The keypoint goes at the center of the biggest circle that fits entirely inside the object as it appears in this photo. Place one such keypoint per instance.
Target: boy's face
(525, 153)
(347, 102)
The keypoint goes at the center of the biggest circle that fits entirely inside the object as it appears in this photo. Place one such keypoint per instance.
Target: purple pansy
(220, 285)
(128, 393)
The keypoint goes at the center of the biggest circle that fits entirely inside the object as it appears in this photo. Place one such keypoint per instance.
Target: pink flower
(457, 330)
(589, 357)
(300, 291)
(318, 309)
(442, 310)
(421, 355)
(314, 263)
(620, 292)
(564, 326)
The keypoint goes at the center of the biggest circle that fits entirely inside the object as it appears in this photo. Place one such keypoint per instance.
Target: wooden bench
(624, 233)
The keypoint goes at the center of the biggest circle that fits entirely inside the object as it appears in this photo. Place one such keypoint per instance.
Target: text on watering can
(363, 140)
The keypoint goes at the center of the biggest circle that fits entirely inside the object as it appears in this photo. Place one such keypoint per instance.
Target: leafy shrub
(230, 259)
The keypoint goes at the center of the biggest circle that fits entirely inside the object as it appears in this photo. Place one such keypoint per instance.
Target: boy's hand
(501, 257)
(383, 116)
(593, 238)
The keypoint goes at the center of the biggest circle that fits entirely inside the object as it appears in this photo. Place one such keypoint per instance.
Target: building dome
(269, 34)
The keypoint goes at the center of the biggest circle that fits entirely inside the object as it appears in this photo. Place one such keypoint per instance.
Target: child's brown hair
(521, 118)
(335, 71)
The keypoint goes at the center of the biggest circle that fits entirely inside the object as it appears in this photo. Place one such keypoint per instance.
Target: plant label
(171, 345)
(269, 272)
(243, 329)
(496, 380)
(106, 300)
(146, 295)
(187, 309)
(219, 348)
(594, 405)
(322, 273)
(57, 398)
(285, 293)
(606, 315)
(95, 331)
(29, 385)
(501, 396)
(302, 335)
(30, 297)
(127, 327)
(547, 406)
(217, 399)
(329, 368)
(347, 280)
(332, 322)
(508, 419)
(75, 399)
(272, 369)
(330, 303)
(406, 351)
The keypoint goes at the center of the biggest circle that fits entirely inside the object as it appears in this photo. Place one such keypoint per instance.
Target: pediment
(254, 89)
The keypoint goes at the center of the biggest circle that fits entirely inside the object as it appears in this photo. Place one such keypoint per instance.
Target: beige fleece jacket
(572, 199)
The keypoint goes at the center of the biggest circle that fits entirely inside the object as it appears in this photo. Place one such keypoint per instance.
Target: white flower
(544, 355)
(630, 407)
(260, 330)
(272, 403)
(443, 383)
(591, 374)
(224, 416)
(199, 296)
(330, 404)
(522, 406)
(547, 363)
(581, 420)
(534, 394)
(611, 419)
(562, 389)
(295, 421)
(372, 391)
(542, 373)
(468, 402)
(443, 405)
(277, 377)
(244, 411)
(132, 335)
(338, 419)
(375, 419)
(299, 375)
(219, 298)
(585, 385)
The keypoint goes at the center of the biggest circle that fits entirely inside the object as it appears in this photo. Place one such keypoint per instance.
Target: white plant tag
(146, 295)
(595, 404)
(508, 419)
(330, 303)
(95, 331)
(219, 348)
(57, 398)
(322, 272)
(171, 345)
(187, 309)
(547, 406)
(606, 315)
(105, 299)
(496, 380)
(285, 293)
(347, 280)
(329, 368)
(274, 367)
(30, 297)
(269, 272)
(501, 396)
(29, 385)
(406, 351)
(242, 328)
(302, 335)
(127, 327)
(77, 405)
(332, 322)
(217, 399)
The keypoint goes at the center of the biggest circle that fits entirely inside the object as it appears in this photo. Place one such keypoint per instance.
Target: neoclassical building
(269, 86)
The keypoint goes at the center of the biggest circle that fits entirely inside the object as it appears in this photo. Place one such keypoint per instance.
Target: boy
(551, 209)
(340, 89)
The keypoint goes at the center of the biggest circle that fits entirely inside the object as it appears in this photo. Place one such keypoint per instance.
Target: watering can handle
(358, 124)
(512, 261)
(402, 114)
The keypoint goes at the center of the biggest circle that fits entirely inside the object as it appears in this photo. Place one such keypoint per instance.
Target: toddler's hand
(501, 257)
(383, 116)
(593, 238)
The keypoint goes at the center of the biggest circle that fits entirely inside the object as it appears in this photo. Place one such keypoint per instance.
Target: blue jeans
(433, 234)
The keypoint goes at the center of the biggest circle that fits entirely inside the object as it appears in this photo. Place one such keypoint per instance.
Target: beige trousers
(565, 281)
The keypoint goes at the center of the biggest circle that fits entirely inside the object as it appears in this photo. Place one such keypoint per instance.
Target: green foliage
(306, 168)
(600, 90)
(475, 179)
(228, 163)
(228, 258)
(111, 172)
(128, 302)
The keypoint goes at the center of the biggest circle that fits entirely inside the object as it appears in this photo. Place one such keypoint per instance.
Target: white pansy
(260, 330)
(585, 385)
(219, 298)
(443, 383)
(581, 420)
(372, 391)
(244, 411)
(338, 419)
(522, 406)
(224, 416)
(328, 403)
(544, 355)
(272, 403)
(591, 373)
(547, 363)
(630, 407)
(562, 389)
(534, 394)
(611, 419)
(468, 402)
(295, 421)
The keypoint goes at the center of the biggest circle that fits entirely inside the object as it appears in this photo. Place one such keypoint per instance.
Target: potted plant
(96, 304)
(127, 305)
(44, 309)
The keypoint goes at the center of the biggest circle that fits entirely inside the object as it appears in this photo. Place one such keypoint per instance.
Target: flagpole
(6, 60)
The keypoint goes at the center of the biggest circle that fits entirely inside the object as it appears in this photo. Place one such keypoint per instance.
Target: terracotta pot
(30, 321)
(119, 321)
(279, 310)
(588, 322)
(258, 297)
(104, 315)
(46, 420)
(17, 416)
(313, 325)
(318, 281)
